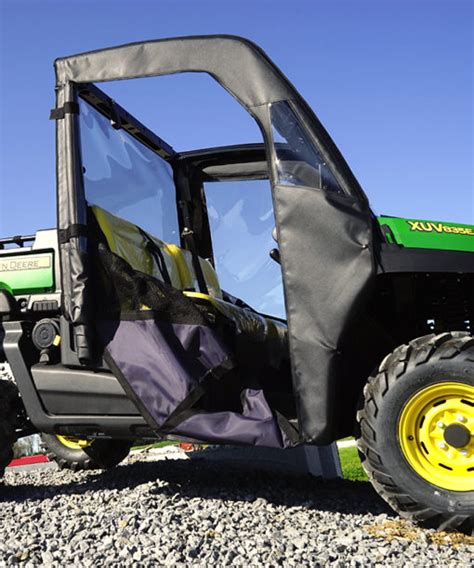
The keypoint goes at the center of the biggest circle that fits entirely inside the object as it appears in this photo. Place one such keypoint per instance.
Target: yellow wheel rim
(436, 434)
(74, 443)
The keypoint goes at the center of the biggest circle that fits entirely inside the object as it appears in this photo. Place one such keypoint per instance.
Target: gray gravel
(183, 512)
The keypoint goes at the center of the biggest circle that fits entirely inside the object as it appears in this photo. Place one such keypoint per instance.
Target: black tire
(9, 403)
(100, 454)
(410, 368)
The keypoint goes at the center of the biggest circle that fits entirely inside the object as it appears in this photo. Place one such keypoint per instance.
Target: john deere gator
(123, 321)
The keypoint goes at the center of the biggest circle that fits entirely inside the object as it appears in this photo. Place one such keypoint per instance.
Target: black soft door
(326, 251)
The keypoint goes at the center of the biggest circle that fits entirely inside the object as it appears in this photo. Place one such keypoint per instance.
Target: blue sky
(391, 81)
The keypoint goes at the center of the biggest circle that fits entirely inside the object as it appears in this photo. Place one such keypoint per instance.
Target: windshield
(126, 178)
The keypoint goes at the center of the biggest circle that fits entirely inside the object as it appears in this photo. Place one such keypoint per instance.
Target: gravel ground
(196, 512)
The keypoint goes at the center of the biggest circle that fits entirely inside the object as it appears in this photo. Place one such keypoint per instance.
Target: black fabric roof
(238, 64)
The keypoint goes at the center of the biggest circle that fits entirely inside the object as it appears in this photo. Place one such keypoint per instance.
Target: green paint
(27, 272)
(440, 235)
(4, 286)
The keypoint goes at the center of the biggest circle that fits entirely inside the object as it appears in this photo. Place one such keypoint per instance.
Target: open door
(325, 238)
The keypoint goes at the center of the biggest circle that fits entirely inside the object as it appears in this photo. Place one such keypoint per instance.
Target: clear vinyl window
(242, 220)
(126, 178)
(298, 161)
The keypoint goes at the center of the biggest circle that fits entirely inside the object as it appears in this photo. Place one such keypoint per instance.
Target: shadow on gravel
(205, 480)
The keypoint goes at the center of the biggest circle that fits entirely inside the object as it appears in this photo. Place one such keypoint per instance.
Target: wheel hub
(457, 435)
(436, 434)
(74, 443)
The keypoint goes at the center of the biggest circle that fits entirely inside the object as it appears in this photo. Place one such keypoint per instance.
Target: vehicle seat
(130, 243)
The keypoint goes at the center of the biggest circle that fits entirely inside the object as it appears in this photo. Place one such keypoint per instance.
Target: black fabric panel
(73, 231)
(227, 58)
(71, 210)
(184, 410)
(168, 356)
(164, 364)
(325, 246)
(256, 425)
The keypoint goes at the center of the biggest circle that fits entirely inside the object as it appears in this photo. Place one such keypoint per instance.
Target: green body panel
(27, 272)
(440, 235)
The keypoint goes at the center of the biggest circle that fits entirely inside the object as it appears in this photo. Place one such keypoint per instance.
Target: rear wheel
(79, 454)
(9, 404)
(416, 430)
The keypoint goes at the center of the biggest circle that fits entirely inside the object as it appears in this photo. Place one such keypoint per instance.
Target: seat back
(127, 241)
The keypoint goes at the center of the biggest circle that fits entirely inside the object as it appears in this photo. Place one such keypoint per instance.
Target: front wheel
(81, 454)
(416, 431)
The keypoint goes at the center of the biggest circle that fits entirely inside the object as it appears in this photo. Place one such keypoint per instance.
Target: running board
(18, 352)
(63, 390)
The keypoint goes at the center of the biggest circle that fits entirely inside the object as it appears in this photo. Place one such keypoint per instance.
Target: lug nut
(464, 452)
(460, 418)
(442, 445)
(440, 424)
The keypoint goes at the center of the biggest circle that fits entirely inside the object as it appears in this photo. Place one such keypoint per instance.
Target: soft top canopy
(236, 63)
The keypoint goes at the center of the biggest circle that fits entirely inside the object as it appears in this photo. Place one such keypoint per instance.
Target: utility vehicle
(117, 326)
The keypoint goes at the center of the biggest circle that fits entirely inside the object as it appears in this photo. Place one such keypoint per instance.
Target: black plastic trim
(394, 258)
(18, 240)
(121, 119)
(17, 352)
(63, 390)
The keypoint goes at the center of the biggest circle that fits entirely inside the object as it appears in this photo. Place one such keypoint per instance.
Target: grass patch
(351, 466)
(155, 445)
